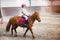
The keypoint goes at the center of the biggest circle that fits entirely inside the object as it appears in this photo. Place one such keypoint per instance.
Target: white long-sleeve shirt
(25, 13)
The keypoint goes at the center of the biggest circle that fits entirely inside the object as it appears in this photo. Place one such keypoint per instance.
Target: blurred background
(47, 29)
(47, 8)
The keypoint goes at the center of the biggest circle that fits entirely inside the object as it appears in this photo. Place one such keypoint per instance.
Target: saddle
(23, 22)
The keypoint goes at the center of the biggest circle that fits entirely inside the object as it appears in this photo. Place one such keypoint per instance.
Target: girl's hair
(23, 5)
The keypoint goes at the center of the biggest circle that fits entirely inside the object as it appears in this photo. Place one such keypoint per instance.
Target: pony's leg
(26, 31)
(15, 31)
(12, 30)
(32, 33)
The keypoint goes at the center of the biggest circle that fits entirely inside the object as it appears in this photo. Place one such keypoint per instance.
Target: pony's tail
(8, 26)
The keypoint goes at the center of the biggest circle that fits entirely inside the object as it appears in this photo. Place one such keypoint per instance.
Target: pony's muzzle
(39, 20)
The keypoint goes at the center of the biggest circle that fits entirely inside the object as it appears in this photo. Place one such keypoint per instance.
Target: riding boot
(26, 22)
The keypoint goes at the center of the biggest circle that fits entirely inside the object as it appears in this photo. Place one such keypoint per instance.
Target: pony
(14, 23)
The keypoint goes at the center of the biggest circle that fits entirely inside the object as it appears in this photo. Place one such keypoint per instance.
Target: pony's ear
(36, 12)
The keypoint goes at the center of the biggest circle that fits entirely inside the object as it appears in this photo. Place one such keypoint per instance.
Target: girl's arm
(24, 14)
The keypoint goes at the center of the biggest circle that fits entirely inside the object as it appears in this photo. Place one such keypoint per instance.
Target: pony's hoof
(33, 37)
(15, 35)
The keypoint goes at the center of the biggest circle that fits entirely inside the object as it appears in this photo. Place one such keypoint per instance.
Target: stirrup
(23, 25)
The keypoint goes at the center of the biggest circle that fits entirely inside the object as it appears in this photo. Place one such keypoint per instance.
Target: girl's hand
(28, 16)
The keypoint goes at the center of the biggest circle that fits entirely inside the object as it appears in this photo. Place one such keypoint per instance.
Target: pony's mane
(35, 13)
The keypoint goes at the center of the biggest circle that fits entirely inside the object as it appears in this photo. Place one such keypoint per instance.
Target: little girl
(24, 13)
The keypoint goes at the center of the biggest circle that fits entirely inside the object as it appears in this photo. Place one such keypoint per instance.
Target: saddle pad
(21, 20)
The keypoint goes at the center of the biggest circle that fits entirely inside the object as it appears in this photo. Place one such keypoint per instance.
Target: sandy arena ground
(47, 29)
(42, 31)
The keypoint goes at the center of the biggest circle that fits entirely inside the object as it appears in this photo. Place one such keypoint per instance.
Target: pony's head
(37, 16)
